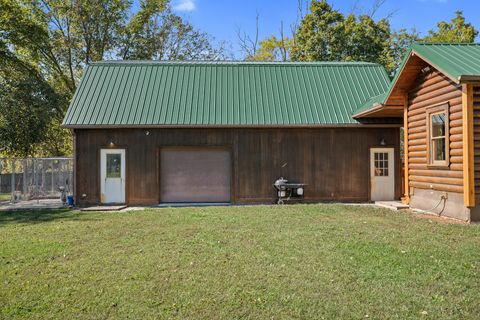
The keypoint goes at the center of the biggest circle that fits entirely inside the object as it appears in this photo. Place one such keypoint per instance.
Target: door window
(381, 164)
(114, 165)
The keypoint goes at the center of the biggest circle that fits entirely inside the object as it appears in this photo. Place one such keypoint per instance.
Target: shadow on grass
(35, 216)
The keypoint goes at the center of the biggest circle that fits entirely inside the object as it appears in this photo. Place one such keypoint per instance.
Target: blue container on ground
(70, 200)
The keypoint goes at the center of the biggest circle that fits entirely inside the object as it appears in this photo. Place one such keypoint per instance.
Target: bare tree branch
(283, 47)
(377, 5)
(248, 45)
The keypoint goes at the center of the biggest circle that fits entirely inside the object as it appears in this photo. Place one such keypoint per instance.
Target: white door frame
(382, 187)
(112, 189)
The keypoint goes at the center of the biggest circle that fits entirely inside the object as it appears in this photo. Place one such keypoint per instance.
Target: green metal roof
(373, 101)
(127, 93)
(458, 61)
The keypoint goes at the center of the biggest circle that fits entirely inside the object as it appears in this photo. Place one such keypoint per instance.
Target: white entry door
(382, 174)
(112, 175)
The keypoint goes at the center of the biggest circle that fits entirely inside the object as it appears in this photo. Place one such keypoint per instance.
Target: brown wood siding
(333, 162)
(429, 90)
(476, 134)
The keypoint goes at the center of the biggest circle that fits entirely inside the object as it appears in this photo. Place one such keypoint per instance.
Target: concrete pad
(104, 208)
(43, 204)
(393, 205)
(128, 209)
(194, 204)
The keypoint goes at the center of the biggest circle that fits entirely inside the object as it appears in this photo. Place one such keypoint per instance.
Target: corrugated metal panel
(221, 93)
(455, 60)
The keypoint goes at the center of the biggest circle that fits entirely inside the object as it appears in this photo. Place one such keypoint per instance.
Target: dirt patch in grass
(437, 218)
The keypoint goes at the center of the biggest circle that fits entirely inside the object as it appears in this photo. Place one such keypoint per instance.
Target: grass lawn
(5, 196)
(303, 261)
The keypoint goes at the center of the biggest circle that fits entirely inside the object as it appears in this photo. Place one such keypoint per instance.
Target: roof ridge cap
(234, 62)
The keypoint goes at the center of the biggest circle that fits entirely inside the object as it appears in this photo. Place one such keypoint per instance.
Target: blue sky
(221, 18)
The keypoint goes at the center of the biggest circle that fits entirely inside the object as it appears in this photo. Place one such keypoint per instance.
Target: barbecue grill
(287, 191)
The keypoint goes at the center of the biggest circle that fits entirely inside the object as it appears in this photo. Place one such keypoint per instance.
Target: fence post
(62, 177)
(24, 183)
(34, 166)
(42, 184)
(13, 181)
(52, 163)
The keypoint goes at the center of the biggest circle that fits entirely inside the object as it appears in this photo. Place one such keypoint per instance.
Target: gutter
(375, 107)
(299, 126)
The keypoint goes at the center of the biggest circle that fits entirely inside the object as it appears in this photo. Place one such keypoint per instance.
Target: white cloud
(184, 5)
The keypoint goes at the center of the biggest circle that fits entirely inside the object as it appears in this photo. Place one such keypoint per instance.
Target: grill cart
(286, 191)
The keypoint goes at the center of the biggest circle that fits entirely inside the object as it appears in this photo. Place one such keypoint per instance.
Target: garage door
(195, 175)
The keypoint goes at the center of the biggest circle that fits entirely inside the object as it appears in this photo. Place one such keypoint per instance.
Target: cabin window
(437, 133)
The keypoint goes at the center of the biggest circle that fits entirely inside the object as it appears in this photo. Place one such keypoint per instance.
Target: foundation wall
(451, 205)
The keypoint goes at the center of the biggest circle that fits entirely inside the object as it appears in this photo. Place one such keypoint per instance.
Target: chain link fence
(34, 178)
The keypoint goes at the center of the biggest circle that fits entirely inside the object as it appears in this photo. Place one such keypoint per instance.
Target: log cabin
(437, 92)
(150, 132)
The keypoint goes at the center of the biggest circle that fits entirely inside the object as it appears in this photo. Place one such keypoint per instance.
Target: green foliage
(456, 31)
(52, 41)
(56, 141)
(29, 106)
(321, 34)
(365, 39)
(273, 49)
(326, 34)
(400, 42)
(156, 33)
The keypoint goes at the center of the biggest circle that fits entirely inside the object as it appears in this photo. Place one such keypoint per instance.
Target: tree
(156, 33)
(28, 105)
(325, 34)
(270, 49)
(52, 41)
(249, 45)
(457, 30)
(399, 43)
(366, 40)
(320, 34)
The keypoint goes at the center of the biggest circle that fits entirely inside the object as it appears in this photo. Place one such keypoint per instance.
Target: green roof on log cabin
(149, 93)
(458, 61)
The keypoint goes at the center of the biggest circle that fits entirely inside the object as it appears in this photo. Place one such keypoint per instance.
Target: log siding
(429, 90)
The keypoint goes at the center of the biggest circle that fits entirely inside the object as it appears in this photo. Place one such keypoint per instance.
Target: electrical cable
(435, 207)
